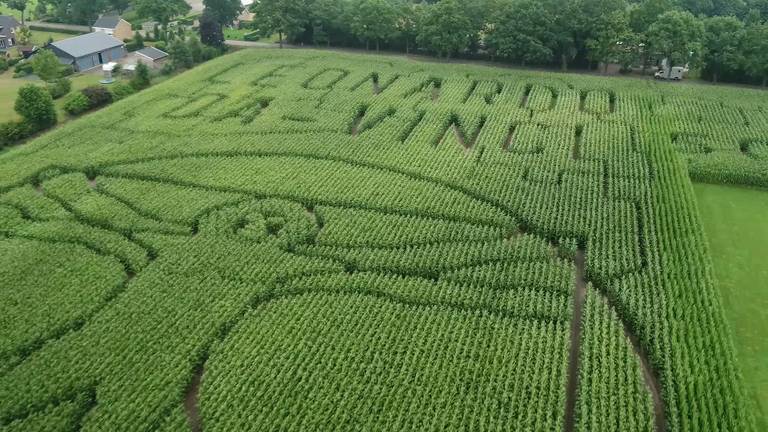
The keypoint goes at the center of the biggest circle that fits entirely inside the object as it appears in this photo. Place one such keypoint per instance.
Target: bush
(14, 131)
(59, 87)
(161, 46)
(252, 36)
(23, 68)
(168, 68)
(141, 78)
(4, 65)
(76, 104)
(97, 96)
(121, 90)
(35, 105)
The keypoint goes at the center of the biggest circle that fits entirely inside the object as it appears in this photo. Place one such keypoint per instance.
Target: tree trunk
(367, 44)
(605, 68)
(377, 45)
(22, 18)
(407, 46)
(714, 78)
(564, 62)
(280, 35)
(765, 82)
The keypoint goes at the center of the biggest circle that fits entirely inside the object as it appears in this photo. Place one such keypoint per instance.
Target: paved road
(59, 26)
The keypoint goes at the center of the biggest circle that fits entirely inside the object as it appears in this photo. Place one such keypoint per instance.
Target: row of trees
(728, 39)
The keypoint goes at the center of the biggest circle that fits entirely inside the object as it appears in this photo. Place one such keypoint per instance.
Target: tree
(645, 13)
(35, 105)
(606, 42)
(161, 11)
(141, 78)
(284, 17)
(23, 35)
(138, 40)
(223, 12)
(210, 30)
(675, 36)
(119, 5)
(754, 52)
(46, 65)
(563, 43)
(331, 19)
(445, 30)
(374, 20)
(521, 32)
(722, 40)
(180, 55)
(411, 15)
(19, 5)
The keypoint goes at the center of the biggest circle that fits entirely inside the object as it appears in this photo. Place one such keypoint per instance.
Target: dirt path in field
(579, 294)
(649, 375)
(191, 401)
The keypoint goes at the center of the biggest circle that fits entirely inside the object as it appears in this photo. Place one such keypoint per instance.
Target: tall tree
(119, 6)
(210, 30)
(755, 52)
(722, 40)
(331, 18)
(676, 36)
(284, 17)
(445, 29)
(374, 20)
(411, 15)
(161, 11)
(223, 11)
(19, 5)
(563, 42)
(608, 39)
(521, 32)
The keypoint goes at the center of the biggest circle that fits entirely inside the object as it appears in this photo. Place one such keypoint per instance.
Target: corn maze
(306, 241)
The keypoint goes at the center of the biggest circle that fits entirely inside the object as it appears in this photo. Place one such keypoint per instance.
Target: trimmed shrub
(77, 104)
(14, 131)
(59, 87)
(35, 104)
(97, 96)
(121, 90)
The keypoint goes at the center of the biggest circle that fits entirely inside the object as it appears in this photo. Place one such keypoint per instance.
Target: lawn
(308, 240)
(736, 222)
(9, 87)
(40, 37)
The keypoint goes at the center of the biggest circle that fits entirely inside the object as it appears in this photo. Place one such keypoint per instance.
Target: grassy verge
(735, 222)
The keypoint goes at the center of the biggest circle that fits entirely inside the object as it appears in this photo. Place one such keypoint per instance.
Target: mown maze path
(299, 241)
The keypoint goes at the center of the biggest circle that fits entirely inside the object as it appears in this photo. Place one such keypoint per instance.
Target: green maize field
(297, 240)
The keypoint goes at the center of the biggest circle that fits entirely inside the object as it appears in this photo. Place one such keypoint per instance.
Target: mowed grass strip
(734, 220)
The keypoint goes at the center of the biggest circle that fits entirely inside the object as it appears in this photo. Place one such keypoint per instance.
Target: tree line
(727, 39)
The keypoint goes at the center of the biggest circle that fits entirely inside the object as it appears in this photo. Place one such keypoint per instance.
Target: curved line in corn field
(649, 375)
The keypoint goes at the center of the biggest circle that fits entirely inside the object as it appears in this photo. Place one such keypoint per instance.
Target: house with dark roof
(151, 56)
(113, 25)
(8, 27)
(89, 50)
